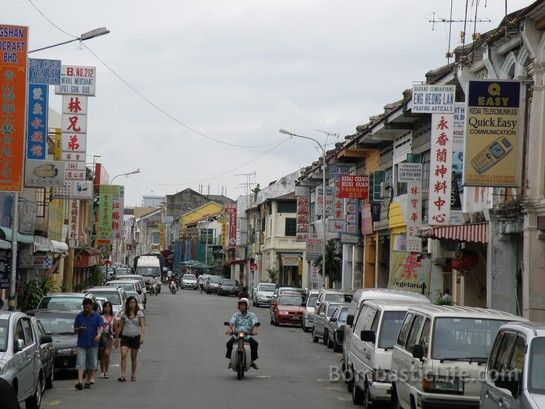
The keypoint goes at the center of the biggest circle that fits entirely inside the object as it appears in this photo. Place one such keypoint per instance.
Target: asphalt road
(182, 365)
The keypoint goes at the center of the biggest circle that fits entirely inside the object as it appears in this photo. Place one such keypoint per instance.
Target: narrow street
(182, 364)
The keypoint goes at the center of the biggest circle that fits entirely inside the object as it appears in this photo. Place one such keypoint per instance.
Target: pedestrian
(131, 329)
(9, 397)
(106, 341)
(88, 325)
(446, 298)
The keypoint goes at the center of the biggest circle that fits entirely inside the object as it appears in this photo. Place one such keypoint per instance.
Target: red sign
(13, 74)
(231, 210)
(353, 187)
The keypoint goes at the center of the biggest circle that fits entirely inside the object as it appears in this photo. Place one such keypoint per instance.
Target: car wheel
(272, 320)
(35, 400)
(357, 394)
(314, 337)
(349, 376)
(395, 400)
(325, 337)
(49, 380)
(367, 401)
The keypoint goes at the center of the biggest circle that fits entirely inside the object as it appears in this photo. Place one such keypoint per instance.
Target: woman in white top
(131, 329)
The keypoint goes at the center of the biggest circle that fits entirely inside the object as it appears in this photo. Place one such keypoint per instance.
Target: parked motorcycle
(173, 287)
(241, 356)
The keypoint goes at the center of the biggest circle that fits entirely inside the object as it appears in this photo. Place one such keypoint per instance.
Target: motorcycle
(241, 356)
(155, 287)
(173, 287)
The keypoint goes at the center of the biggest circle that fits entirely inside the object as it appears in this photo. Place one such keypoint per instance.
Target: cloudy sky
(237, 71)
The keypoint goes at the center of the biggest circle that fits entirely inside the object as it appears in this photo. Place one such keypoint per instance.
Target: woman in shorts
(131, 329)
(105, 343)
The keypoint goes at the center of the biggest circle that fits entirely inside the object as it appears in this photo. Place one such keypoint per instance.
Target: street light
(134, 172)
(97, 32)
(283, 131)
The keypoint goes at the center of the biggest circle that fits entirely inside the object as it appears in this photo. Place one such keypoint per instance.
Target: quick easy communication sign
(433, 99)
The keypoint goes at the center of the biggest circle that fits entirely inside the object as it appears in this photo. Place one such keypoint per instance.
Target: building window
(291, 228)
(287, 206)
(401, 187)
(425, 159)
(42, 199)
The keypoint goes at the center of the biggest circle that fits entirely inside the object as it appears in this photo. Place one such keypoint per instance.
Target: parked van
(515, 375)
(375, 332)
(148, 267)
(439, 355)
(359, 297)
(339, 296)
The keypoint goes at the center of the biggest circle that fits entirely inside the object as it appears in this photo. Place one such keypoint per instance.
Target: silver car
(20, 358)
(189, 281)
(116, 296)
(310, 310)
(323, 314)
(263, 294)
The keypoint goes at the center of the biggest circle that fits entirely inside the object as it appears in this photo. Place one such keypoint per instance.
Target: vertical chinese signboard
(231, 210)
(36, 143)
(105, 206)
(303, 217)
(329, 196)
(352, 210)
(118, 206)
(13, 74)
(442, 135)
(456, 194)
(73, 223)
(492, 134)
(411, 173)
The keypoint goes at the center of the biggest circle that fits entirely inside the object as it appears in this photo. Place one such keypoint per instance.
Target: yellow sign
(58, 148)
(407, 272)
(493, 130)
(55, 220)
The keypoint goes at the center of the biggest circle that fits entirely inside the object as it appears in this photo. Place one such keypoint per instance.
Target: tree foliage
(333, 262)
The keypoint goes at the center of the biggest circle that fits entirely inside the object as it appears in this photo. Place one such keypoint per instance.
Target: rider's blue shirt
(244, 322)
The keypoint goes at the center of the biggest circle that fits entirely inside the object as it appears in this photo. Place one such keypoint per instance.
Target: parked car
(63, 301)
(339, 296)
(133, 277)
(323, 314)
(131, 287)
(189, 281)
(359, 297)
(263, 294)
(59, 325)
(212, 284)
(515, 374)
(310, 309)
(287, 289)
(20, 362)
(116, 296)
(47, 353)
(229, 287)
(288, 309)
(375, 331)
(201, 280)
(444, 342)
(335, 329)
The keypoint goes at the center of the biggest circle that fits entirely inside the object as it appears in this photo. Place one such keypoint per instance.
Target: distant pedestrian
(446, 298)
(243, 293)
(105, 343)
(9, 396)
(131, 328)
(88, 325)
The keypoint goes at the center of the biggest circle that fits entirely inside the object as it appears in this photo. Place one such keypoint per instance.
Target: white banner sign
(74, 189)
(75, 170)
(74, 104)
(409, 172)
(71, 143)
(77, 80)
(73, 223)
(442, 135)
(433, 99)
(41, 173)
(414, 209)
(74, 123)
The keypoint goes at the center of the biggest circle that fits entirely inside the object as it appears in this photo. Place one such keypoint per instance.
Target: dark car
(335, 329)
(229, 287)
(288, 308)
(59, 325)
(212, 284)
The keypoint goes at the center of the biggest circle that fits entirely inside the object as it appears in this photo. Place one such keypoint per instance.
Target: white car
(263, 294)
(189, 281)
(310, 310)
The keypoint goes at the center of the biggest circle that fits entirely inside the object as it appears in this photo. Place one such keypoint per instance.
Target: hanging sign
(433, 99)
(351, 186)
(36, 141)
(77, 80)
(41, 173)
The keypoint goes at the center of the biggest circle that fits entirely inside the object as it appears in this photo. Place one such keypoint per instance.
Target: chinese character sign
(407, 272)
(303, 217)
(231, 210)
(353, 187)
(105, 210)
(433, 99)
(118, 206)
(73, 223)
(493, 133)
(440, 168)
(329, 195)
(414, 207)
(13, 73)
(42, 71)
(36, 130)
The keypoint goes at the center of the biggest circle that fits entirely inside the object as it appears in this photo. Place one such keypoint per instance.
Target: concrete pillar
(68, 278)
(533, 275)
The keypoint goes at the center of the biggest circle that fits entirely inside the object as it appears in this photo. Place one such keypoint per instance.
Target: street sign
(433, 99)
(36, 140)
(77, 80)
(44, 71)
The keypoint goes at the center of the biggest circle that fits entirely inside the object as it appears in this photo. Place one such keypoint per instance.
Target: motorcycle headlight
(241, 334)
(67, 351)
(283, 312)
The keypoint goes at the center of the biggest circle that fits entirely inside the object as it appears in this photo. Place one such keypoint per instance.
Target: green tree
(273, 274)
(333, 262)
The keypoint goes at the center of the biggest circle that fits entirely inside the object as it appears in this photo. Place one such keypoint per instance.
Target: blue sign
(36, 142)
(44, 71)
(6, 208)
(335, 171)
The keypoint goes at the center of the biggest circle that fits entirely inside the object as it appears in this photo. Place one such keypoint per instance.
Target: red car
(288, 308)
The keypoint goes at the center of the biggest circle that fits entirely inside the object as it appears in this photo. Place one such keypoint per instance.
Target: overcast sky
(238, 71)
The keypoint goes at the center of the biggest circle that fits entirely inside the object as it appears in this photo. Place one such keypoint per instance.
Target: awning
(471, 232)
(59, 246)
(42, 244)
(21, 238)
(85, 257)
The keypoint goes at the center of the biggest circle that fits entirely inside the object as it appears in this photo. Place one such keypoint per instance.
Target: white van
(370, 358)
(148, 267)
(440, 355)
(359, 297)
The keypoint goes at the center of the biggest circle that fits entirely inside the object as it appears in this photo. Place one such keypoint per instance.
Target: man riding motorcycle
(243, 320)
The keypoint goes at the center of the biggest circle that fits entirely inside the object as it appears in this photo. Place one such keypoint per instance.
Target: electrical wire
(142, 96)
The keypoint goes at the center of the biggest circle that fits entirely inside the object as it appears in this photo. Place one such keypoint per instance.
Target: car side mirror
(350, 320)
(418, 351)
(19, 345)
(333, 320)
(368, 336)
(46, 339)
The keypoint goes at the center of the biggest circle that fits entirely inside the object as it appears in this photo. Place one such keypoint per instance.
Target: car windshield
(189, 277)
(267, 287)
(228, 282)
(112, 296)
(464, 338)
(290, 300)
(334, 297)
(61, 303)
(3, 335)
(536, 375)
(391, 323)
(342, 315)
(215, 279)
(120, 270)
(55, 324)
(125, 286)
(312, 300)
(148, 271)
(131, 277)
(331, 309)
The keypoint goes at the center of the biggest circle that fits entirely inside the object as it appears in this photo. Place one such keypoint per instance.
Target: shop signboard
(352, 186)
(493, 134)
(314, 248)
(36, 129)
(44, 173)
(41, 71)
(433, 99)
(408, 272)
(13, 81)
(77, 80)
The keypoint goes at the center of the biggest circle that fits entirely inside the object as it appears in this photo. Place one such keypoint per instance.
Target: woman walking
(105, 344)
(131, 329)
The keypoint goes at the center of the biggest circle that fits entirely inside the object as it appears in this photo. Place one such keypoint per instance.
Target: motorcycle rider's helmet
(244, 301)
